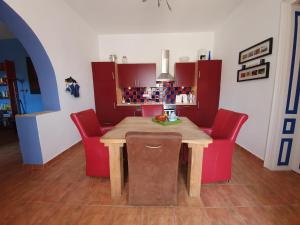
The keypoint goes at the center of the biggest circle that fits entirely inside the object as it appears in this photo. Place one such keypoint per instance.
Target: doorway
(28, 132)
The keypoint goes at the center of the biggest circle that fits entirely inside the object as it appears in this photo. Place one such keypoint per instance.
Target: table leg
(194, 169)
(116, 169)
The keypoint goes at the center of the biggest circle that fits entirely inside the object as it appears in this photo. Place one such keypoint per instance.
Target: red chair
(97, 157)
(152, 110)
(217, 157)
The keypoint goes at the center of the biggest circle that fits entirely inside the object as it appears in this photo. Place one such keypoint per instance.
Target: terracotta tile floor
(62, 194)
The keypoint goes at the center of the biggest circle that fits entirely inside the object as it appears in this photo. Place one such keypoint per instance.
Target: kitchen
(193, 91)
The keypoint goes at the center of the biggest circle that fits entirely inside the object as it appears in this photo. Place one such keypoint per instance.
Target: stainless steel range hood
(165, 75)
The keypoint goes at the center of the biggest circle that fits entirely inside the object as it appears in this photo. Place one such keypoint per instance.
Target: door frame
(280, 142)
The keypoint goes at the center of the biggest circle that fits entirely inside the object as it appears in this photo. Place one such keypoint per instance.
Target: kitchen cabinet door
(105, 102)
(185, 74)
(146, 76)
(188, 111)
(208, 91)
(137, 75)
(126, 75)
(124, 111)
(104, 71)
(105, 92)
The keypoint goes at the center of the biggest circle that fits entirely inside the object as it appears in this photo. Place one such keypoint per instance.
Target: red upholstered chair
(217, 157)
(152, 110)
(97, 158)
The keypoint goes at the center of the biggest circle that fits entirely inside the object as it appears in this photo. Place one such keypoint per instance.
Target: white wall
(71, 45)
(147, 47)
(253, 21)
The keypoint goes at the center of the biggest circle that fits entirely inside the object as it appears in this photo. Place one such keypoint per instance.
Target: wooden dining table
(192, 135)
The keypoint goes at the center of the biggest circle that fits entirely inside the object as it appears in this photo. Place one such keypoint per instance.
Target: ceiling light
(159, 3)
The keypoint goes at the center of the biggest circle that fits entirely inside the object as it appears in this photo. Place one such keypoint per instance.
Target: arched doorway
(37, 53)
(27, 128)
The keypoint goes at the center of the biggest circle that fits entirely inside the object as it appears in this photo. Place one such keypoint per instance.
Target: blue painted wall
(27, 126)
(29, 140)
(12, 49)
(39, 56)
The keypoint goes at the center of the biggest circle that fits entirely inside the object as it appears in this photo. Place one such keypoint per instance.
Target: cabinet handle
(134, 113)
(135, 83)
(113, 75)
(114, 105)
(199, 74)
(198, 104)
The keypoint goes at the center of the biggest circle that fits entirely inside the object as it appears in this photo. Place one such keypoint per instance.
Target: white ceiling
(134, 16)
(4, 32)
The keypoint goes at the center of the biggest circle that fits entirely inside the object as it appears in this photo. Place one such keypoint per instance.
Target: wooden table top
(190, 132)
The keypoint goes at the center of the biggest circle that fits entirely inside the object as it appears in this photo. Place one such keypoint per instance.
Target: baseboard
(52, 161)
(248, 151)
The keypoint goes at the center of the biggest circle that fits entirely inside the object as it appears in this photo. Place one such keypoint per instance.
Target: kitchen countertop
(160, 103)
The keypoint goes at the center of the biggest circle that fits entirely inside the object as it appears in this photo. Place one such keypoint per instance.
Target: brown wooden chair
(153, 167)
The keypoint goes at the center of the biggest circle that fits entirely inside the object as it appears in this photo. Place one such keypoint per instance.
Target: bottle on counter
(190, 98)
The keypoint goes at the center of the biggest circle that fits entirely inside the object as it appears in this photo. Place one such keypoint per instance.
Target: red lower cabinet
(189, 112)
(124, 111)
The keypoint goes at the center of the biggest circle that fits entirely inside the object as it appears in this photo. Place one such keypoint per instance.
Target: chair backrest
(87, 123)
(227, 124)
(153, 167)
(152, 110)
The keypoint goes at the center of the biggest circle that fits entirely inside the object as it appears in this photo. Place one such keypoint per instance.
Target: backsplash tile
(167, 93)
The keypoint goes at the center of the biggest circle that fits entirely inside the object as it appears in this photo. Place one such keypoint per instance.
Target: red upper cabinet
(208, 90)
(105, 71)
(137, 75)
(185, 74)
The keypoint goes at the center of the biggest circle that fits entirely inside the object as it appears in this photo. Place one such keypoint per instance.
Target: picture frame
(256, 51)
(256, 72)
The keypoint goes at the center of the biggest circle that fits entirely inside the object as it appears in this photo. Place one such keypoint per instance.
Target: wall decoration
(72, 86)
(259, 50)
(260, 71)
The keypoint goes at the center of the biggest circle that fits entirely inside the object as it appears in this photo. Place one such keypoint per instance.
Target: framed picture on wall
(32, 77)
(259, 50)
(254, 72)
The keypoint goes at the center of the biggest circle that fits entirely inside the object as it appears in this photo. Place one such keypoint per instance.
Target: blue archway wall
(27, 126)
(40, 59)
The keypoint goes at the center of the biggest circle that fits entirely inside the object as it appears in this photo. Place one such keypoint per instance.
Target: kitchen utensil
(178, 98)
(184, 98)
